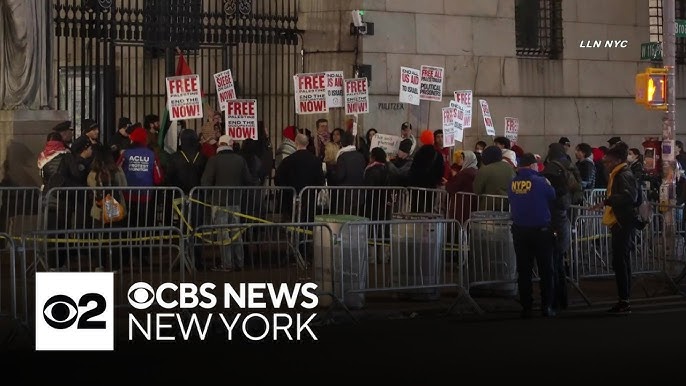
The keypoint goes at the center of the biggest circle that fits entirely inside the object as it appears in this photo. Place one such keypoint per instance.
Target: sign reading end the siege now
(184, 98)
(241, 119)
(225, 88)
(310, 93)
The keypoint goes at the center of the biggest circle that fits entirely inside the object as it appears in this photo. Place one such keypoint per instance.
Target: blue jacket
(141, 168)
(530, 195)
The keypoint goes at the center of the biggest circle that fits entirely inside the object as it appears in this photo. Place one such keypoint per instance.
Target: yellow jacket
(609, 218)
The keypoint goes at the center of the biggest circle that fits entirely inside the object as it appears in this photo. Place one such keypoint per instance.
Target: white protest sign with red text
(184, 98)
(466, 99)
(511, 129)
(334, 88)
(449, 118)
(310, 93)
(241, 119)
(223, 82)
(488, 121)
(432, 84)
(409, 85)
(356, 96)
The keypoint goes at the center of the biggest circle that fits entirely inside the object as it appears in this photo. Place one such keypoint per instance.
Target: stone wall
(587, 96)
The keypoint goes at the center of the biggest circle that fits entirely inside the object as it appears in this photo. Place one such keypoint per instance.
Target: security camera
(357, 18)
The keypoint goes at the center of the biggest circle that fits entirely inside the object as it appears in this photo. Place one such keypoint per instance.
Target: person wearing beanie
(399, 166)
(510, 157)
(427, 137)
(66, 132)
(493, 178)
(90, 134)
(530, 196)
(426, 171)
(287, 146)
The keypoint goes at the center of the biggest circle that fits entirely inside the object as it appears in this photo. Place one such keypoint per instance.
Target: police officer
(530, 195)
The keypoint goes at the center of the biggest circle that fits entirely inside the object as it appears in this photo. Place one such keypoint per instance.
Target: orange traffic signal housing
(651, 88)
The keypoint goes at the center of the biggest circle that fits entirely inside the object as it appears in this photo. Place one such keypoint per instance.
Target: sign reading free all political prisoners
(432, 84)
(184, 99)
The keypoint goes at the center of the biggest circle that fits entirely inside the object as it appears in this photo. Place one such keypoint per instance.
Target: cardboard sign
(452, 125)
(389, 143)
(459, 124)
(241, 119)
(432, 84)
(488, 122)
(184, 98)
(356, 96)
(511, 129)
(466, 99)
(223, 82)
(334, 88)
(310, 93)
(409, 85)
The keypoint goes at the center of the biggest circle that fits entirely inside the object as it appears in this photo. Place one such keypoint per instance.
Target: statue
(24, 64)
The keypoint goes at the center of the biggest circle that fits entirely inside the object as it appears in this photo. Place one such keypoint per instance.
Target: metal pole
(668, 187)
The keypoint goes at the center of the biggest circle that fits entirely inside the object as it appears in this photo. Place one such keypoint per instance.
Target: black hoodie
(187, 165)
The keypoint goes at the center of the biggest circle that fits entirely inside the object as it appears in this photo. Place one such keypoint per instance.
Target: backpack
(573, 179)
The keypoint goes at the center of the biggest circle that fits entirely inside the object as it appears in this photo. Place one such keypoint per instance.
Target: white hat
(510, 156)
(225, 139)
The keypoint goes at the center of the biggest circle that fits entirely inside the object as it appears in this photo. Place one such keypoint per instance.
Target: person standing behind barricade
(406, 133)
(50, 157)
(208, 146)
(142, 169)
(120, 140)
(445, 153)
(461, 182)
(349, 171)
(322, 138)
(265, 152)
(228, 169)
(65, 208)
(106, 173)
(400, 165)
(426, 171)
(619, 215)
(365, 143)
(584, 163)
(300, 170)
(561, 174)
(479, 150)
(184, 171)
(530, 195)
(493, 178)
(377, 202)
(287, 146)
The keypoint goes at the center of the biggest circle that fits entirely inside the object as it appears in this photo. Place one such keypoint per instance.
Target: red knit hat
(139, 136)
(427, 137)
(289, 132)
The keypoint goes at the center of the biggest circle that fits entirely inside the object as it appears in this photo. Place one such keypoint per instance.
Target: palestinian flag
(168, 140)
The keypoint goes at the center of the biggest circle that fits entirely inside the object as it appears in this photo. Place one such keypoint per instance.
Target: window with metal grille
(172, 23)
(538, 28)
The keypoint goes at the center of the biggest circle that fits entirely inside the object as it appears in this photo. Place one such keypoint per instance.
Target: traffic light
(651, 88)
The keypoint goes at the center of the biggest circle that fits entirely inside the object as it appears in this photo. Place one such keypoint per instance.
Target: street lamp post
(668, 187)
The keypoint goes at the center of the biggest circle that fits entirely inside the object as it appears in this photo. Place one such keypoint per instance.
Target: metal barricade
(415, 259)
(154, 255)
(20, 210)
(422, 200)
(493, 203)
(8, 277)
(461, 205)
(292, 253)
(491, 257)
(373, 202)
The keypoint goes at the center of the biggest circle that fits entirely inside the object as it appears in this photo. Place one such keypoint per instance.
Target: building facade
(528, 58)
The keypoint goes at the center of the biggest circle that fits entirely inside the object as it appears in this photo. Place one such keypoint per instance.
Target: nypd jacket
(141, 168)
(530, 195)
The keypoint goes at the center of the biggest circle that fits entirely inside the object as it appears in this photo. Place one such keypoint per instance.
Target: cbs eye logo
(61, 311)
(141, 295)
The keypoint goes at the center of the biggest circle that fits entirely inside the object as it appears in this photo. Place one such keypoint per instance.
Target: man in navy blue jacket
(530, 195)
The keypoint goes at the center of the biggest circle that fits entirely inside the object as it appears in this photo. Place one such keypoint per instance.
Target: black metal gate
(111, 57)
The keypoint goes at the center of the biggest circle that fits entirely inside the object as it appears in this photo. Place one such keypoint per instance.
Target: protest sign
(184, 98)
(223, 82)
(241, 119)
(511, 129)
(389, 143)
(356, 96)
(452, 125)
(432, 84)
(334, 88)
(466, 99)
(488, 122)
(310, 93)
(409, 85)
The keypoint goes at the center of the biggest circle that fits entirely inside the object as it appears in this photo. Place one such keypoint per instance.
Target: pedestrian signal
(651, 88)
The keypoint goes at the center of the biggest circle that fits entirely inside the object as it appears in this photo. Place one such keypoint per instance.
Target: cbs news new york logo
(74, 311)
